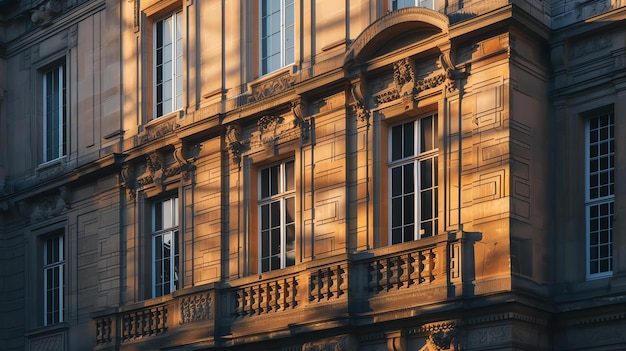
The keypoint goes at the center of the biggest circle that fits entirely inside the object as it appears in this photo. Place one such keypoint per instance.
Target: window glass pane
(275, 214)
(275, 241)
(265, 183)
(409, 139)
(265, 217)
(426, 174)
(409, 209)
(289, 176)
(409, 179)
(396, 181)
(290, 210)
(274, 180)
(396, 143)
(426, 134)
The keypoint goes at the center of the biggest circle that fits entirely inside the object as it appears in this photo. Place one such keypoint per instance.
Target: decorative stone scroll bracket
(358, 105)
(234, 143)
(298, 108)
(127, 180)
(185, 163)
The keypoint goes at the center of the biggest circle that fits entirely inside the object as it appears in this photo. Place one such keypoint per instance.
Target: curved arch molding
(410, 17)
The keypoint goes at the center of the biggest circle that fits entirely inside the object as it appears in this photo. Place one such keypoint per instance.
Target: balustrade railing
(434, 262)
(266, 297)
(147, 322)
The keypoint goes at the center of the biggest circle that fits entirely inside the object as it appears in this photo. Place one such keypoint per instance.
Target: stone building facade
(312, 175)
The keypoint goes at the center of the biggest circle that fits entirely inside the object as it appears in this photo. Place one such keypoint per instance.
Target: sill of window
(47, 329)
(164, 118)
(291, 69)
(50, 164)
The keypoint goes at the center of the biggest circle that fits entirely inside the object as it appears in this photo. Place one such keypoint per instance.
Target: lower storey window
(277, 216)
(53, 275)
(600, 179)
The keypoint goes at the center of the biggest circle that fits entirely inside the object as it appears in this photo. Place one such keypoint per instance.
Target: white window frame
(286, 35)
(169, 89)
(55, 116)
(400, 4)
(167, 230)
(284, 198)
(414, 162)
(599, 200)
(53, 281)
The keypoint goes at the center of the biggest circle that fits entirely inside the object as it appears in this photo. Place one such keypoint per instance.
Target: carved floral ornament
(45, 207)
(156, 171)
(44, 13)
(338, 343)
(269, 128)
(405, 84)
(442, 337)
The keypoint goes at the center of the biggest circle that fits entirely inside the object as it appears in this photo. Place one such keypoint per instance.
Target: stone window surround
(150, 13)
(56, 226)
(596, 201)
(431, 154)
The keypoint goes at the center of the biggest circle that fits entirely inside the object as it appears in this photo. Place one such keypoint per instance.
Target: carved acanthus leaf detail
(269, 128)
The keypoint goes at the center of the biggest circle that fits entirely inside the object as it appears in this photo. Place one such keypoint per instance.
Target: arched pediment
(416, 21)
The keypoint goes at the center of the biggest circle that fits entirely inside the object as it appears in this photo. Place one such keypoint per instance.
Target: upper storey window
(277, 216)
(413, 180)
(600, 196)
(168, 64)
(54, 114)
(277, 34)
(399, 4)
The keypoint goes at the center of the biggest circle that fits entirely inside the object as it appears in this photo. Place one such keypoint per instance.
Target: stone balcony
(353, 289)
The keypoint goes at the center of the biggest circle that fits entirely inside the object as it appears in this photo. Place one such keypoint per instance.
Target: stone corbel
(453, 74)
(396, 342)
(298, 108)
(128, 180)
(358, 105)
(186, 165)
(233, 142)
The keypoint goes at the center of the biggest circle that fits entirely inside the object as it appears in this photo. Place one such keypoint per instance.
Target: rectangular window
(165, 247)
(277, 34)
(277, 216)
(399, 4)
(600, 165)
(54, 114)
(53, 279)
(168, 67)
(413, 180)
